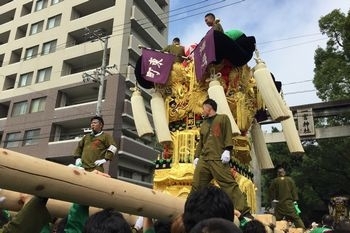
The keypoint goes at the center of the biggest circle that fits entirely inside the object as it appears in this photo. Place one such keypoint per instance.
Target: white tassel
(216, 92)
(160, 118)
(142, 124)
(269, 93)
(291, 135)
(261, 152)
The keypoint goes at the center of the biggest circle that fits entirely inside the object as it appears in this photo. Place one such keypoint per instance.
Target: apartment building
(45, 51)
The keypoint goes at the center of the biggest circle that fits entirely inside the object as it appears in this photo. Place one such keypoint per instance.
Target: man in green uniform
(213, 154)
(176, 49)
(284, 193)
(31, 218)
(212, 22)
(96, 148)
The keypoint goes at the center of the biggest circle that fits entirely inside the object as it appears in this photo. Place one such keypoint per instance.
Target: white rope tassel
(291, 135)
(159, 118)
(269, 93)
(216, 92)
(261, 152)
(142, 124)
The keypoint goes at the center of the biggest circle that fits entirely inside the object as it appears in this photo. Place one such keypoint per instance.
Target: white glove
(75, 166)
(99, 162)
(226, 156)
(195, 161)
(139, 223)
(78, 162)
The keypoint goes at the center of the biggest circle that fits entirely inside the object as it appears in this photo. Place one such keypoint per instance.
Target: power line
(64, 45)
(300, 92)
(297, 82)
(293, 45)
(290, 38)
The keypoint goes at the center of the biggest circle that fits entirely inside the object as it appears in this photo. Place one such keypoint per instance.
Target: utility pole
(100, 73)
(102, 78)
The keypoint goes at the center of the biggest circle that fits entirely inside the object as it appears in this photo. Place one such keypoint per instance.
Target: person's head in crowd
(162, 226)
(215, 225)
(107, 221)
(254, 226)
(209, 19)
(209, 202)
(177, 225)
(59, 225)
(328, 220)
(342, 226)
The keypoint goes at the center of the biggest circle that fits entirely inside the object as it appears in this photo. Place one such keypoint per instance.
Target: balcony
(77, 37)
(83, 63)
(90, 7)
(155, 13)
(137, 150)
(4, 37)
(10, 81)
(7, 16)
(146, 29)
(4, 109)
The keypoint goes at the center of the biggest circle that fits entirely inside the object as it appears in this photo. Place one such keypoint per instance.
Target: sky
(286, 31)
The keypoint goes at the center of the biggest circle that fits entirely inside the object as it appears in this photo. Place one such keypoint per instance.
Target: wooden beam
(14, 202)
(27, 174)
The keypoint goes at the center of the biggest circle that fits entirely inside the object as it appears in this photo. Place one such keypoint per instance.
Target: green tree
(332, 64)
(324, 170)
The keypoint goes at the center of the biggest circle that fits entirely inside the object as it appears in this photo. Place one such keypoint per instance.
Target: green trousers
(206, 170)
(285, 210)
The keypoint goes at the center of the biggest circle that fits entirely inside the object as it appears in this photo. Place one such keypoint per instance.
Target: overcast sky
(286, 32)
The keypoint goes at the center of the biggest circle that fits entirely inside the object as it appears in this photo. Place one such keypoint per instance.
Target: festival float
(216, 68)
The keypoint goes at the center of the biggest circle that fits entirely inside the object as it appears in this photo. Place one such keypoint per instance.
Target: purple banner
(204, 54)
(156, 66)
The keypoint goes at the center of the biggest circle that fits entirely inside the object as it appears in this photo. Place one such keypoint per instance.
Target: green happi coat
(215, 137)
(177, 50)
(283, 189)
(93, 147)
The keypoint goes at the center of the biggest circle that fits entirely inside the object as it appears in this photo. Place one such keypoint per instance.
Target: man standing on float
(213, 154)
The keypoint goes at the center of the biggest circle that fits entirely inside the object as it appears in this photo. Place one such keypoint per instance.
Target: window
(19, 108)
(31, 137)
(36, 27)
(25, 79)
(40, 4)
(49, 47)
(38, 105)
(43, 75)
(124, 172)
(12, 140)
(53, 2)
(31, 52)
(53, 22)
